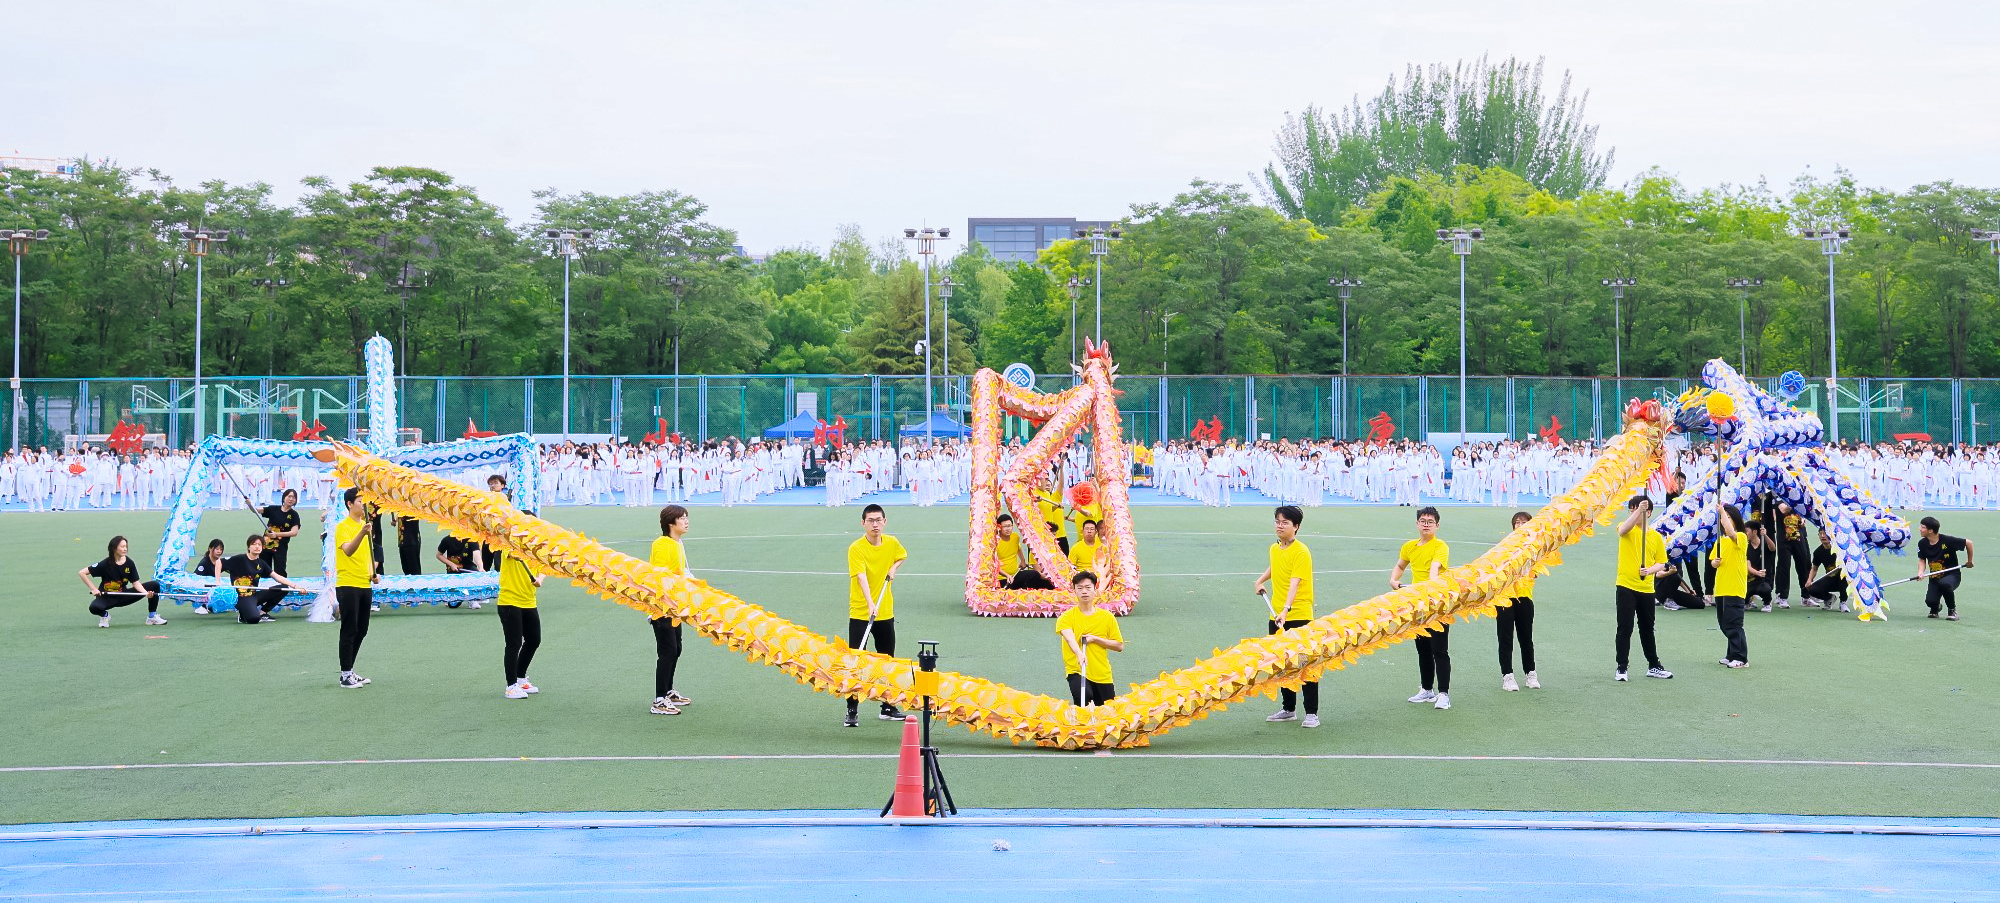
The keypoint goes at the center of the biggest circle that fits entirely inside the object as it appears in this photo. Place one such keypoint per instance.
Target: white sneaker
(201, 609)
(675, 697)
(155, 620)
(1618, 676)
(1444, 701)
(1672, 605)
(1660, 673)
(104, 621)
(527, 686)
(374, 608)
(516, 692)
(1425, 696)
(1507, 683)
(1533, 683)
(1784, 603)
(1282, 715)
(662, 707)
(1310, 721)
(475, 605)
(1767, 608)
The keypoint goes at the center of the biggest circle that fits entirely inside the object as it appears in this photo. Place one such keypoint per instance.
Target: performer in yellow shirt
(1089, 634)
(668, 553)
(1517, 620)
(1424, 558)
(1085, 555)
(520, 622)
(1642, 555)
(872, 562)
(1287, 585)
(1731, 557)
(1049, 500)
(354, 579)
(1007, 560)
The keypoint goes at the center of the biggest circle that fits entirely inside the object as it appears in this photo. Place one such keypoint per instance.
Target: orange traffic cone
(909, 799)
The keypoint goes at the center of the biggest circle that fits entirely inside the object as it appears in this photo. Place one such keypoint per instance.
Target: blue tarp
(940, 425)
(800, 427)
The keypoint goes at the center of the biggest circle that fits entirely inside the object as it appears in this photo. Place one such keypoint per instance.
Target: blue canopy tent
(800, 427)
(940, 425)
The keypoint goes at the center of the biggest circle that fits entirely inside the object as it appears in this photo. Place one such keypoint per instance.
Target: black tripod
(937, 795)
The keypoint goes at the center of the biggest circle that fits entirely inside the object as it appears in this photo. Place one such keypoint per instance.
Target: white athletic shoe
(374, 608)
(155, 620)
(1443, 701)
(475, 606)
(1507, 683)
(1672, 605)
(662, 707)
(1282, 715)
(1767, 608)
(1784, 603)
(1618, 676)
(1660, 673)
(516, 692)
(1425, 696)
(201, 609)
(527, 687)
(1533, 683)
(1310, 721)
(675, 697)
(104, 621)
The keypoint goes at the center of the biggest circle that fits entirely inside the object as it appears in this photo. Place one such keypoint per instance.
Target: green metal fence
(56, 411)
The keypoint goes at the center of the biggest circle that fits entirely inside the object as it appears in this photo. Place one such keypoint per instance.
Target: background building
(1020, 238)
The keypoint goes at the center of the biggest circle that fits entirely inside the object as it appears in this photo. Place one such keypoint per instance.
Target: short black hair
(1432, 511)
(254, 537)
(1290, 513)
(1094, 522)
(668, 515)
(1081, 576)
(874, 509)
(1003, 519)
(1522, 516)
(352, 493)
(1931, 524)
(1632, 504)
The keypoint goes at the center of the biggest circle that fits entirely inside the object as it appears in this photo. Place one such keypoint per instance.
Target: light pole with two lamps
(1461, 240)
(1345, 287)
(926, 239)
(18, 242)
(1830, 241)
(567, 244)
(1075, 285)
(198, 241)
(1618, 286)
(1742, 321)
(1100, 245)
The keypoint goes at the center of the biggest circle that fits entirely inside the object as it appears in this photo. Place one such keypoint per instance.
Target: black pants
(522, 628)
(1668, 588)
(1517, 620)
(667, 654)
(1634, 605)
(1793, 556)
(1029, 578)
(885, 643)
(1943, 589)
(354, 602)
(1434, 659)
(412, 554)
(102, 605)
(1288, 699)
(279, 556)
(1760, 588)
(1827, 587)
(1096, 693)
(1729, 617)
(256, 606)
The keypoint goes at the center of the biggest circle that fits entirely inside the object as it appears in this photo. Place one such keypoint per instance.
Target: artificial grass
(1821, 687)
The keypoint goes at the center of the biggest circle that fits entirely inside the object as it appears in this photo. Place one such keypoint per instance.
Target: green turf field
(207, 690)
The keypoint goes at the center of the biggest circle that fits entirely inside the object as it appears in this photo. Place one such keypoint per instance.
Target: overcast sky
(790, 118)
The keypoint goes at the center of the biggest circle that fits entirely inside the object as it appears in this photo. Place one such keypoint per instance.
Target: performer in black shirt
(281, 523)
(118, 585)
(1832, 579)
(1937, 558)
(461, 556)
(410, 544)
(209, 566)
(254, 604)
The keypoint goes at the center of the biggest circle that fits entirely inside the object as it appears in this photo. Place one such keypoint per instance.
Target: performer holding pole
(1089, 635)
(281, 523)
(1424, 558)
(872, 562)
(1642, 555)
(118, 585)
(1287, 585)
(669, 553)
(1937, 559)
(355, 576)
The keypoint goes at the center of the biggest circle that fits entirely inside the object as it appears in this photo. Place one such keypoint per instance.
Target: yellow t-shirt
(1083, 556)
(1421, 555)
(1732, 565)
(358, 569)
(517, 583)
(1007, 553)
(873, 562)
(1079, 514)
(667, 553)
(1288, 562)
(1640, 547)
(1096, 659)
(1050, 503)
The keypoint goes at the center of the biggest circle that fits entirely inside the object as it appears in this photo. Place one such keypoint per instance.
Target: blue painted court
(1123, 854)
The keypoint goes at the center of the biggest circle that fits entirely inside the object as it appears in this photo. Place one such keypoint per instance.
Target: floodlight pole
(1461, 240)
(1345, 287)
(566, 243)
(926, 240)
(198, 241)
(1100, 245)
(1618, 286)
(1830, 241)
(1164, 320)
(1074, 286)
(1742, 321)
(18, 242)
